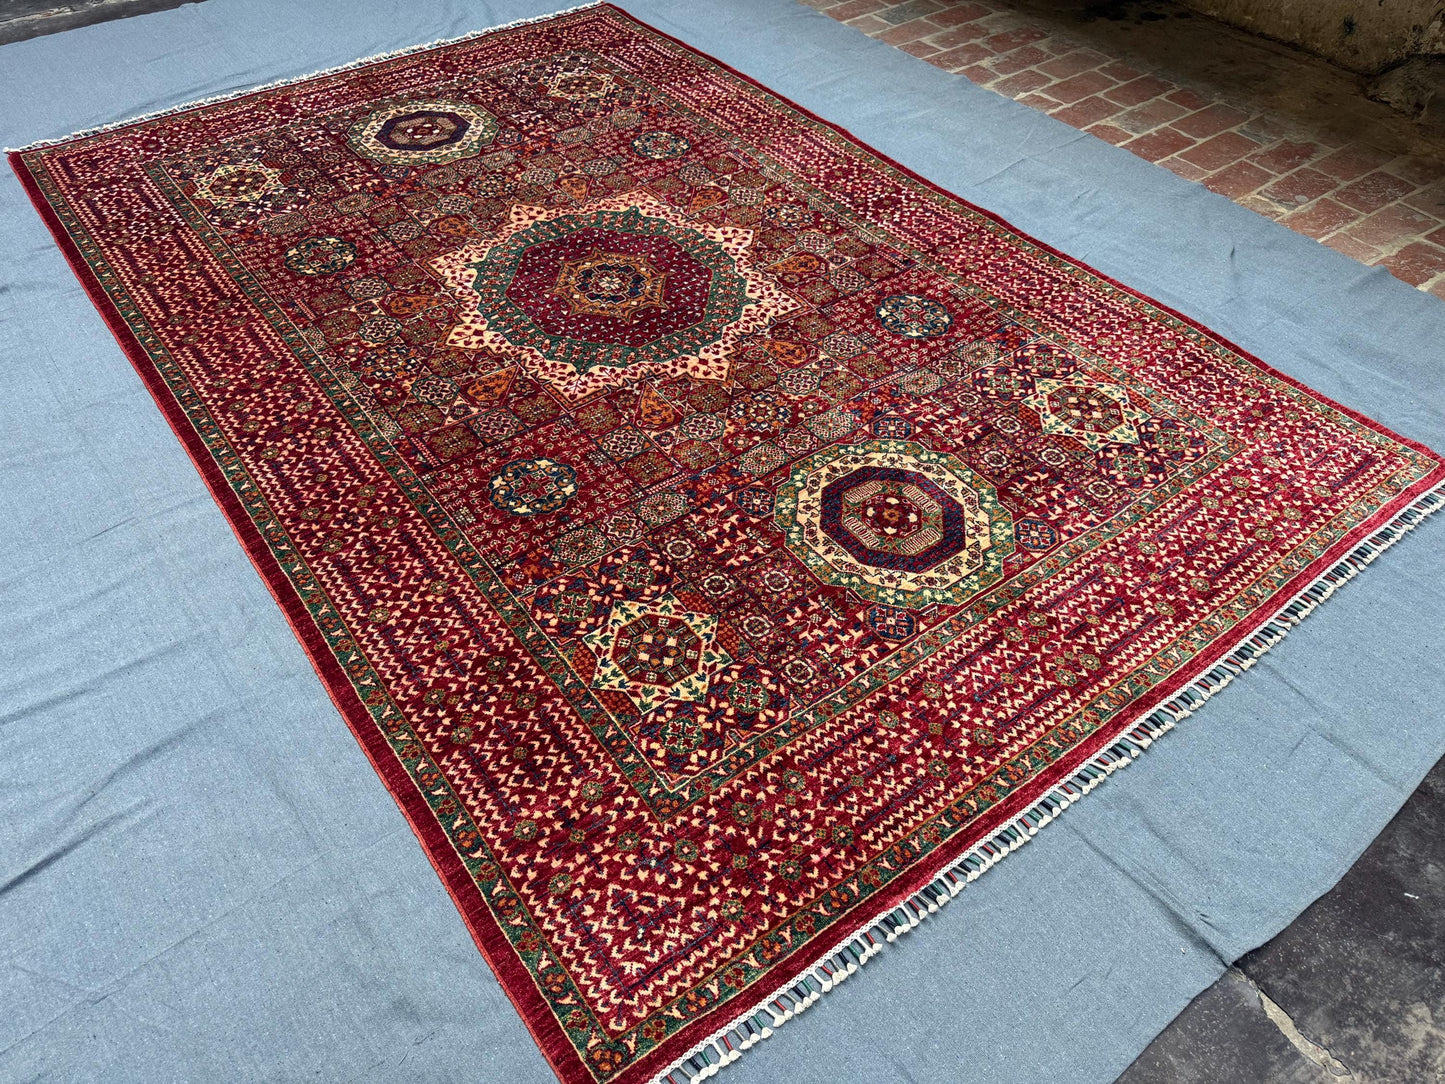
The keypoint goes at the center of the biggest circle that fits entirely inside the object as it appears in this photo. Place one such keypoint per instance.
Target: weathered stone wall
(1362, 35)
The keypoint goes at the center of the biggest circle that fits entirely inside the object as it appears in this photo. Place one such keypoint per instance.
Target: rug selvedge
(821, 530)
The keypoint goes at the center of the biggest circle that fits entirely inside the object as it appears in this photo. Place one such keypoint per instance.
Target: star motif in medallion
(611, 284)
(1092, 412)
(656, 651)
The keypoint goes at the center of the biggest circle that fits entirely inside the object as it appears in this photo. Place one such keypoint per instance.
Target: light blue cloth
(202, 879)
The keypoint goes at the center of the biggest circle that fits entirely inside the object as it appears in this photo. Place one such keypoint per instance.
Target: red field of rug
(715, 534)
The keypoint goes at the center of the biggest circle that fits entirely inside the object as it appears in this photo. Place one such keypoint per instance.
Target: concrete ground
(1354, 990)
(21, 19)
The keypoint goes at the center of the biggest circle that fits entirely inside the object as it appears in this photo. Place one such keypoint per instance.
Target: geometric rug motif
(710, 529)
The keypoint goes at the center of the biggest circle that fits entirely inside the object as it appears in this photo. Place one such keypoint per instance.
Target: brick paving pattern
(1374, 206)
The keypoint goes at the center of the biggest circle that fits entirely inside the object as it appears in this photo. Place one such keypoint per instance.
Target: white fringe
(293, 79)
(851, 952)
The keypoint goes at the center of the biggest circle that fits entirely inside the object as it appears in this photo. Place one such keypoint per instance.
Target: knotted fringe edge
(293, 79)
(848, 955)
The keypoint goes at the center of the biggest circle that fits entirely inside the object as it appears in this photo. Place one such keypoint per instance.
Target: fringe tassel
(294, 79)
(844, 959)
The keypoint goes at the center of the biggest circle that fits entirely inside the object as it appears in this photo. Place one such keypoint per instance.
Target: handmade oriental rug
(724, 543)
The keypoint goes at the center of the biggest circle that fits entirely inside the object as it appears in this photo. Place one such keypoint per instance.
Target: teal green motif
(727, 294)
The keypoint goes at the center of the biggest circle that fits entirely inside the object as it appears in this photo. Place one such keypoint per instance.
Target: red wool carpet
(724, 543)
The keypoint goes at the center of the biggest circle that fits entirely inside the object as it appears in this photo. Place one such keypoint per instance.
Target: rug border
(536, 1015)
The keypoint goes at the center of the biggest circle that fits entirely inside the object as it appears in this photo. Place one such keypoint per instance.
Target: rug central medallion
(586, 300)
(895, 522)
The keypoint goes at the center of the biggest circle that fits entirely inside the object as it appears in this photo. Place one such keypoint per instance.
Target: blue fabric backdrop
(202, 879)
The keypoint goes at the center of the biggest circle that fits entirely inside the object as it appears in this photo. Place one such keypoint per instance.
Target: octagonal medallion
(657, 649)
(239, 183)
(408, 132)
(895, 522)
(614, 284)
